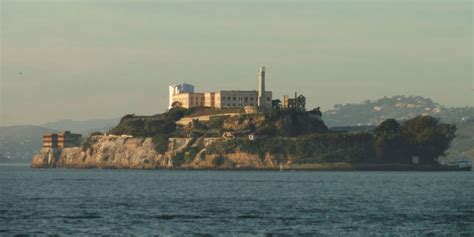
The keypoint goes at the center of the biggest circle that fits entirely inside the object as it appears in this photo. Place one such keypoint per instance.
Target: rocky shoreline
(138, 153)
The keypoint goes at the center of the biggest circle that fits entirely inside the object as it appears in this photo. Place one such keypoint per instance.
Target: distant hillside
(83, 127)
(19, 143)
(463, 145)
(398, 107)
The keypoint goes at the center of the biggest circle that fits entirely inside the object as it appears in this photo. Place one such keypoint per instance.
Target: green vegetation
(297, 135)
(422, 136)
(161, 143)
(159, 127)
(216, 123)
(218, 160)
(145, 128)
(178, 159)
(291, 123)
(391, 142)
(315, 148)
(190, 153)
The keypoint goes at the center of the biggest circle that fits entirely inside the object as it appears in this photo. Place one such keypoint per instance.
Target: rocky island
(249, 130)
(233, 139)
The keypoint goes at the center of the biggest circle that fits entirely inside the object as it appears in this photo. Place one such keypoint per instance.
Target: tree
(176, 104)
(428, 138)
(390, 144)
(276, 104)
(161, 143)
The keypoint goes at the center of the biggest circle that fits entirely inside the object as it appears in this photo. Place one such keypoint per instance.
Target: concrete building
(225, 98)
(178, 89)
(241, 99)
(189, 100)
(222, 99)
(299, 102)
(61, 140)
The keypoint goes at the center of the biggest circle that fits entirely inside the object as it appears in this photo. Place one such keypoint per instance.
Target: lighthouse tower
(262, 97)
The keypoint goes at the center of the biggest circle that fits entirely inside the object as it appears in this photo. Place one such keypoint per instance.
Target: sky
(102, 59)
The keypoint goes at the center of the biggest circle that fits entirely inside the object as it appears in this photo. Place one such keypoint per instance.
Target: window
(246, 98)
(234, 98)
(251, 98)
(223, 98)
(228, 98)
(268, 98)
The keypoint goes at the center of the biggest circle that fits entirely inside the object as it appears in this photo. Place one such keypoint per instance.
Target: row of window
(197, 98)
(234, 105)
(196, 104)
(245, 98)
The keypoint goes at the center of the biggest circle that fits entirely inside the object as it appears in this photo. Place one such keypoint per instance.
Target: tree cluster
(422, 136)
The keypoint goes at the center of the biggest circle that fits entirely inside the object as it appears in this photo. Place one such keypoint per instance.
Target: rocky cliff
(139, 153)
(103, 152)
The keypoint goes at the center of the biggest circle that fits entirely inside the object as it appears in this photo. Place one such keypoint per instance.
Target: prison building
(222, 99)
(61, 140)
(186, 97)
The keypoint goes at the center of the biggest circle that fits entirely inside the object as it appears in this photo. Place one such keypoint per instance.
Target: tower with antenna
(262, 97)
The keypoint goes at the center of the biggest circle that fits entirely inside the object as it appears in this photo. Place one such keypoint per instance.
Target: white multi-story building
(178, 89)
(224, 98)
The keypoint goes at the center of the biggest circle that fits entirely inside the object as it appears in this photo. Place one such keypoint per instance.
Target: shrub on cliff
(269, 130)
(216, 122)
(313, 148)
(338, 147)
(218, 160)
(178, 159)
(294, 123)
(190, 153)
(145, 127)
(176, 114)
(161, 143)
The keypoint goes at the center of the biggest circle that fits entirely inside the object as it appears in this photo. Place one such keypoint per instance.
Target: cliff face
(192, 146)
(105, 152)
(139, 153)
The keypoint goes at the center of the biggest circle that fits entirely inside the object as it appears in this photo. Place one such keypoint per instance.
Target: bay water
(234, 203)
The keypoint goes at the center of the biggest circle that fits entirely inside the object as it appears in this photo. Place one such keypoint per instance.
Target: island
(283, 139)
(241, 130)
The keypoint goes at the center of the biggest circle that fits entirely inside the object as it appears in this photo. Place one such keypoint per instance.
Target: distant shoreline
(15, 164)
(335, 167)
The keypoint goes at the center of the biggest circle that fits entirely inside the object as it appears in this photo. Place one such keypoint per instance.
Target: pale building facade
(189, 100)
(61, 140)
(178, 89)
(240, 99)
(184, 96)
(222, 99)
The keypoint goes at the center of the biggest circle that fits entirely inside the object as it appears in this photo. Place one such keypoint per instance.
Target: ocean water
(235, 203)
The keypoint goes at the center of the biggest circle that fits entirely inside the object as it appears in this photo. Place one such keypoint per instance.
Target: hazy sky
(102, 59)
